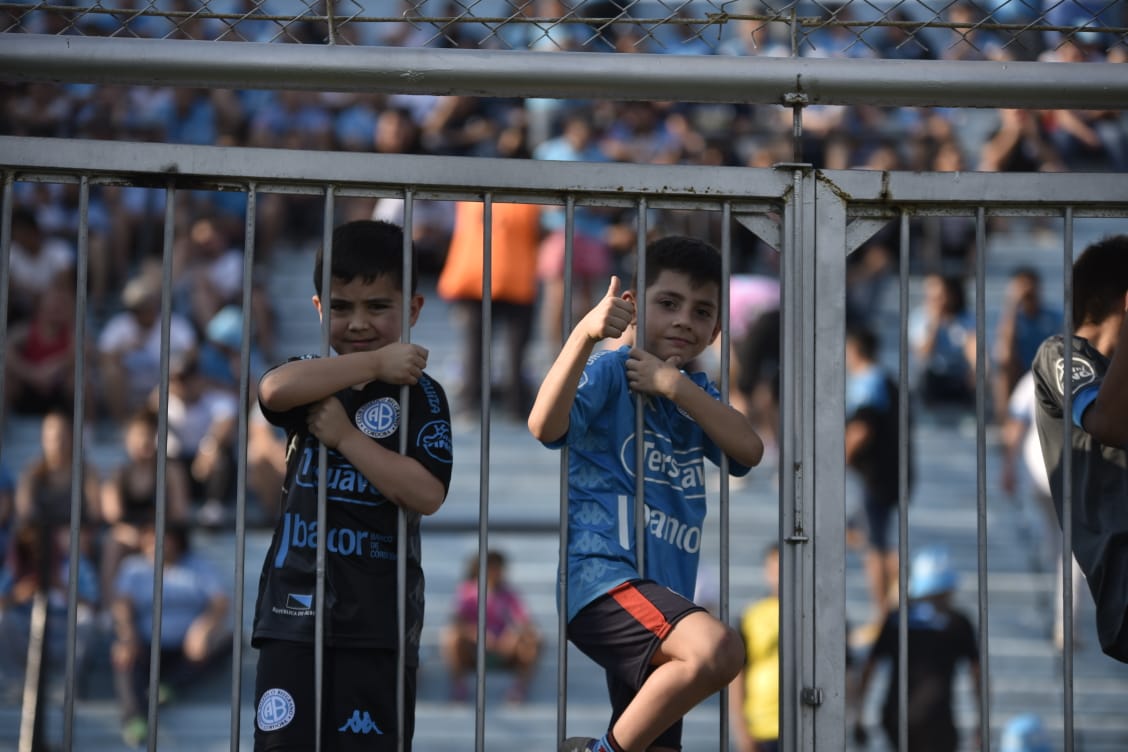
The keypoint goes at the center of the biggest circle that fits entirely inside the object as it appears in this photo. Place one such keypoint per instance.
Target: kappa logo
(379, 418)
(360, 723)
(275, 710)
(1083, 373)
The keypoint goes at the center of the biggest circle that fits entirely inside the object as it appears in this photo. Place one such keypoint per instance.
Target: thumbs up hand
(611, 315)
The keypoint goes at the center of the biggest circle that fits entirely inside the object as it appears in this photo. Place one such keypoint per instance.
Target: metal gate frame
(824, 215)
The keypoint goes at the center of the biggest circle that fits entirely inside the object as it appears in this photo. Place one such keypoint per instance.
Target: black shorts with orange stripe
(621, 630)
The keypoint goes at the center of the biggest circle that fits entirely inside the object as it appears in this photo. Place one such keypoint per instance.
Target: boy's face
(365, 316)
(681, 319)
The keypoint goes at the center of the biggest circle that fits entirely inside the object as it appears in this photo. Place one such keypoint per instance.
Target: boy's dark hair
(366, 249)
(1100, 279)
(864, 339)
(693, 257)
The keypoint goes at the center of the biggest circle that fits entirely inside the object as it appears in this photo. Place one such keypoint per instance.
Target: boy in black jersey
(350, 403)
(1098, 430)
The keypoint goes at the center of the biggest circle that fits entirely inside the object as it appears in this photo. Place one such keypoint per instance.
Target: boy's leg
(359, 713)
(675, 654)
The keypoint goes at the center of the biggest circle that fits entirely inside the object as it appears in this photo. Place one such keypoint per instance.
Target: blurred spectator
(129, 495)
(266, 463)
(969, 40)
(43, 492)
(207, 270)
(942, 338)
(195, 624)
(36, 263)
(512, 640)
(40, 358)
(513, 286)
(7, 507)
(755, 321)
(1020, 440)
(130, 345)
(38, 565)
(1019, 144)
(873, 443)
(220, 354)
(202, 429)
(1024, 323)
(940, 638)
(1025, 733)
(754, 694)
(591, 258)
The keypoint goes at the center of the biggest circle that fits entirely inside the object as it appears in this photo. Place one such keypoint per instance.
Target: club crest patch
(1083, 373)
(379, 418)
(275, 710)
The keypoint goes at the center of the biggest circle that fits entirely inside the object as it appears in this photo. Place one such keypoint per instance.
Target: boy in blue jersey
(662, 653)
(351, 404)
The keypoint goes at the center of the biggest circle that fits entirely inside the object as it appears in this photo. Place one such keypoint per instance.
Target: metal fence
(814, 217)
(954, 29)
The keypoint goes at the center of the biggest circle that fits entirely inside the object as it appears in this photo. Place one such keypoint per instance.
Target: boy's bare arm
(401, 479)
(302, 382)
(727, 427)
(548, 420)
(1107, 418)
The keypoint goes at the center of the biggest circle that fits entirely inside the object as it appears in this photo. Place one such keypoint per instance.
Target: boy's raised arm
(548, 420)
(302, 382)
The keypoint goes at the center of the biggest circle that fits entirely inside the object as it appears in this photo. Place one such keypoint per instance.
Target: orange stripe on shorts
(645, 612)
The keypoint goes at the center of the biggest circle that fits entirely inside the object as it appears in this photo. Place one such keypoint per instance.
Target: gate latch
(812, 696)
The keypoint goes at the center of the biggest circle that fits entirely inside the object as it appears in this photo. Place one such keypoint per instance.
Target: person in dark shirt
(1098, 420)
(351, 404)
(940, 638)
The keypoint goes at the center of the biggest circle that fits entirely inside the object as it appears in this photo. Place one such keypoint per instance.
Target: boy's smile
(365, 316)
(681, 319)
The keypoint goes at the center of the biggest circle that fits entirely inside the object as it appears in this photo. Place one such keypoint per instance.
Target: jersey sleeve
(603, 374)
(429, 439)
(289, 420)
(1049, 374)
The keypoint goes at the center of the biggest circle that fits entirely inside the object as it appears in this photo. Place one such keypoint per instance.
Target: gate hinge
(812, 696)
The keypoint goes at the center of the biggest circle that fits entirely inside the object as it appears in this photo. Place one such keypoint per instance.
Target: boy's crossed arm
(401, 479)
(727, 427)
(548, 420)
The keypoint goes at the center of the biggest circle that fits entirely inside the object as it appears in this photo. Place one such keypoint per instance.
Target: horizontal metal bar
(975, 188)
(494, 73)
(157, 163)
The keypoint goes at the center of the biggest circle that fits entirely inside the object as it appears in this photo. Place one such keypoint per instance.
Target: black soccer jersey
(1100, 483)
(361, 545)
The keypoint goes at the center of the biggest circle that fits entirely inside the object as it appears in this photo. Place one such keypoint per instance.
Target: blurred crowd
(121, 349)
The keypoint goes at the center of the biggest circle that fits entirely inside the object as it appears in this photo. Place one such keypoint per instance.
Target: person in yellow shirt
(754, 694)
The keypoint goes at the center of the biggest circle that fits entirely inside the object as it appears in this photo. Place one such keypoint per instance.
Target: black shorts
(621, 630)
(358, 699)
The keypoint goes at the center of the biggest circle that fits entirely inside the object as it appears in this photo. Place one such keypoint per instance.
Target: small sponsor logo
(1083, 374)
(275, 710)
(434, 438)
(360, 723)
(379, 418)
(299, 601)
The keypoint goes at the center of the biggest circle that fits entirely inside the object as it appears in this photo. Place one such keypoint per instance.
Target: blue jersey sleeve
(602, 377)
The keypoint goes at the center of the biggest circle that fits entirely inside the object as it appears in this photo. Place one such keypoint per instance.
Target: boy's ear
(415, 308)
(716, 331)
(317, 304)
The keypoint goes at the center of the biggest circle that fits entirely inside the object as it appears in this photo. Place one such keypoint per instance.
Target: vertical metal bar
(1067, 485)
(823, 470)
(322, 475)
(903, 490)
(5, 281)
(162, 461)
(484, 467)
(78, 467)
(562, 572)
(789, 602)
(981, 468)
(241, 468)
(640, 399)
(401, 514)
(726, 343)
(330, 22)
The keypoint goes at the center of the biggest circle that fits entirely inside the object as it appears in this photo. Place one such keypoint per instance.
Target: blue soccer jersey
(601, 495)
